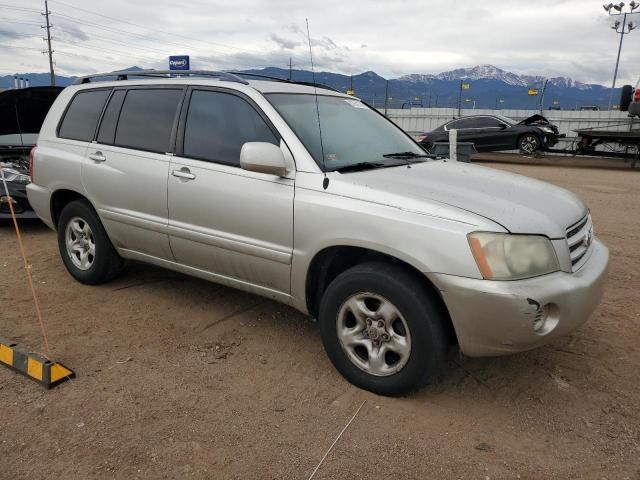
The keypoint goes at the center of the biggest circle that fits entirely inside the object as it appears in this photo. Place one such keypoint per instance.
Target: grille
(579, 239)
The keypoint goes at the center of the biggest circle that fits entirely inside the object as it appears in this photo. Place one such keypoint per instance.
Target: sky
(550, 38)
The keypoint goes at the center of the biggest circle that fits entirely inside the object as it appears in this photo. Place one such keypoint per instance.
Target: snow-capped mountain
(491, 87)
(491, 72)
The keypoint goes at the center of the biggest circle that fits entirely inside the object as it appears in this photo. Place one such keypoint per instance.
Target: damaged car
(490, 133)
(22, 112)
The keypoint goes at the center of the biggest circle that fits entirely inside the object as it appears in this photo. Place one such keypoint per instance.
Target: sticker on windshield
(355, 103)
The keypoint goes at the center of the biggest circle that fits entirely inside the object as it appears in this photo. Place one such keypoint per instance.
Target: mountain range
(488, 87)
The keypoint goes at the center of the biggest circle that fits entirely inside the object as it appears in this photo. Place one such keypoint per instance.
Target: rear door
(126, 168)
(225, 220)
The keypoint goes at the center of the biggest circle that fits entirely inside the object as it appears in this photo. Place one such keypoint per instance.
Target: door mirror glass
(263, 157)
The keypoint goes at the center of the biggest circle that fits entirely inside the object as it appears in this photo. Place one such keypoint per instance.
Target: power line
(18, 21)
(118, 42)
(20, 9)
(165, 33)
(15, 34)
(21, 48)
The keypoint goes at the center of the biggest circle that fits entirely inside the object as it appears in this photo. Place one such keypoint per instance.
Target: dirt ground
(180, 378)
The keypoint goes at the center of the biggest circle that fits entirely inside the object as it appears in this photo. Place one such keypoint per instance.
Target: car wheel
(529, 143)
(383, 329)
(85, 248)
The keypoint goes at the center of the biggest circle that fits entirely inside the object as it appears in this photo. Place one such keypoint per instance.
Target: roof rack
(124, 75)
(277, 79)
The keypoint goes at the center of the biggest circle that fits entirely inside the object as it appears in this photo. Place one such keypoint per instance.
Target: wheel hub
(373, 334)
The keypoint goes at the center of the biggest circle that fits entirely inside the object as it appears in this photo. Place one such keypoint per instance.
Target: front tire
(85, 248)
(529, 143)
(383, 329)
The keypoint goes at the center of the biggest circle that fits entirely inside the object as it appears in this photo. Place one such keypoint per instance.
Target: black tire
(529, 143)
(106, 263)
(418, 306)
(626, 96)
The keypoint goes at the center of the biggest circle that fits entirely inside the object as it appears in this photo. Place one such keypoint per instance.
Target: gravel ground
(180, 378)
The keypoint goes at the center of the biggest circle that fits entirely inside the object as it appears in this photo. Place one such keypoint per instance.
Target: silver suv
(309, 197)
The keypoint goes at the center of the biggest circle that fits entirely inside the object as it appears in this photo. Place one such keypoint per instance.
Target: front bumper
(21, 206)
(497, 317)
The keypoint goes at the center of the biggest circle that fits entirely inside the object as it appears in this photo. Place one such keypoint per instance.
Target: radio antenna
(325, 182)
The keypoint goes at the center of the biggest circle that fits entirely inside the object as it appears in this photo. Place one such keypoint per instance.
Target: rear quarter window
(82, 115)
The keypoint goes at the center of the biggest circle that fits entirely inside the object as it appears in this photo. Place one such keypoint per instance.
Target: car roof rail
(285, 80)
(124, 75)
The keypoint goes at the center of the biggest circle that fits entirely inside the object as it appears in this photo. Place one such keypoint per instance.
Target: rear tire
(85, 248)
(396, 340)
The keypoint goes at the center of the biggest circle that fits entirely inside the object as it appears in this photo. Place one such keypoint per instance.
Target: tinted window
(107, 131)
(146, 119)
(460, 124)
(218, 124)
(82, 116)
(491, 122)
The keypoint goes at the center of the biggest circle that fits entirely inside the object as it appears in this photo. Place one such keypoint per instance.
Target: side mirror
(502, 126)
(263, 157)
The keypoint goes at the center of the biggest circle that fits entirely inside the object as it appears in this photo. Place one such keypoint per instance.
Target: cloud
(285, 43)
(546, 37)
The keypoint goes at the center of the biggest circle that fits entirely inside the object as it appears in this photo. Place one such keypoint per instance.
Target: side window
(461, 124)
(146, 119)
(491, 122)
(107, 132)
(218, 124)
(81, 118)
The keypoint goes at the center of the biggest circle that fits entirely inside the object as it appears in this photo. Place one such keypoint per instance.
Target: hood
(536, 119)
(520, 204)
(23, 110)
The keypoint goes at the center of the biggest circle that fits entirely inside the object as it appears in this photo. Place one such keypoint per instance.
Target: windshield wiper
(354, 167)
(405, 155)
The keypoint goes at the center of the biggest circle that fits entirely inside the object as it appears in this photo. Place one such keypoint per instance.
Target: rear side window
(81, 118)
(218, 124)
(107, 132)
(146, 119)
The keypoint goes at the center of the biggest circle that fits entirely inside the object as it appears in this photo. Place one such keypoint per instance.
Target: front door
(224, 220)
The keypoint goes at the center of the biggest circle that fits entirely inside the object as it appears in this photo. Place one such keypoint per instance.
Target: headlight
(11, 175)
(501, 256)
(546, 129)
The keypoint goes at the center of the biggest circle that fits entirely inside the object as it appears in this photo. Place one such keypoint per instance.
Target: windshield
(352, 133)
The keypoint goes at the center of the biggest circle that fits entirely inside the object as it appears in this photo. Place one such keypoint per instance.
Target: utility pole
(544, 88)
(386, 97)
(48, 26)
(611, 9)
(460, 97)
(290, 69)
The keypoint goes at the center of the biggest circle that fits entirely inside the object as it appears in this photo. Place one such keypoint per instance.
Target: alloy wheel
(373, 334)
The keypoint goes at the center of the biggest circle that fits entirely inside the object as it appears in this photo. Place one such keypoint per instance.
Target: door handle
(97, 157)
(183, 173)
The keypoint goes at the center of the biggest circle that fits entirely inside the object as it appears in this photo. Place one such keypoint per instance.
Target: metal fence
(418, 120)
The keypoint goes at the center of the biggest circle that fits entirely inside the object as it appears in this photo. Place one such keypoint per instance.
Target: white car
(309, 197)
